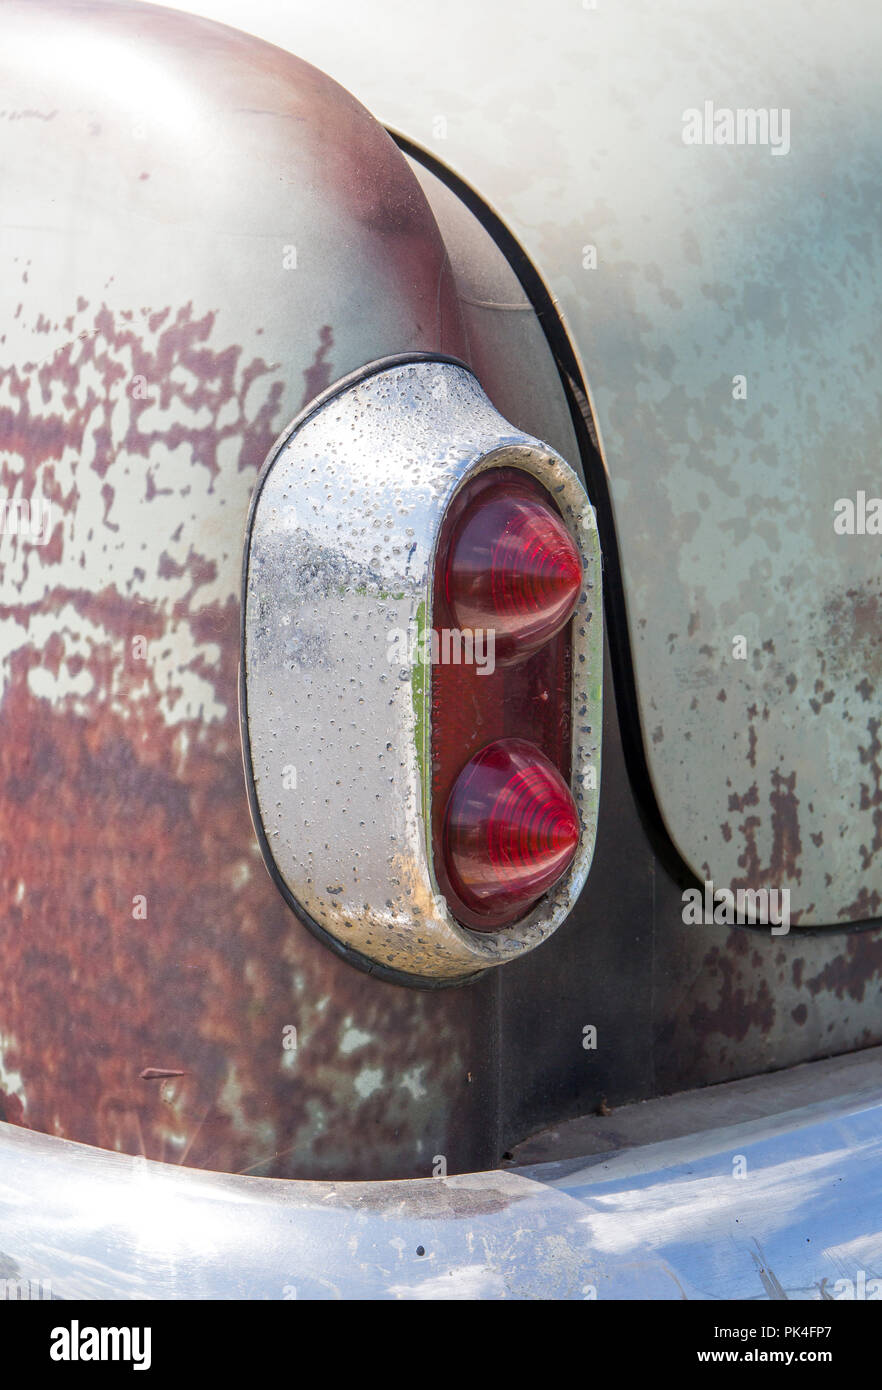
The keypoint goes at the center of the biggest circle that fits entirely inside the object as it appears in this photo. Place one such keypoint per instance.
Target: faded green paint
(712, 262)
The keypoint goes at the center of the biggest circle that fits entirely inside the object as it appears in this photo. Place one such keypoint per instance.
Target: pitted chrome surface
(341, 550)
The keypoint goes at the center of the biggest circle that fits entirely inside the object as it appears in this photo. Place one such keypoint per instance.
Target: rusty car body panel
(153, 344)
(678, 268)
(205, 233)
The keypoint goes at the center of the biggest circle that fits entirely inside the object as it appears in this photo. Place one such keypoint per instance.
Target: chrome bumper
(782, 1207)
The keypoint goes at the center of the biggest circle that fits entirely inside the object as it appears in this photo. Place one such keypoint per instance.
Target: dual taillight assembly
(421, 675)
(508, 577)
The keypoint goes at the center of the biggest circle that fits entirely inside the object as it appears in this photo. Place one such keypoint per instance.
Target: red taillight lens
(512, 567)
(504, 825)
(511, 828)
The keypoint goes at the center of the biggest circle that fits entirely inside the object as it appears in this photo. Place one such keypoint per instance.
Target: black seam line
(563, 354)
(386, 974)
(597, 481)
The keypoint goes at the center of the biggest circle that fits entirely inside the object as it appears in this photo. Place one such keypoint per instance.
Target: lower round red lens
(511, 830)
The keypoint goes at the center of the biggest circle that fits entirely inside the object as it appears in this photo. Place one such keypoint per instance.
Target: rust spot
(318, 375)
(853, 622)
(786, 849)
(117, 785)
(853, 971)
(737, 1009)
(871, 796)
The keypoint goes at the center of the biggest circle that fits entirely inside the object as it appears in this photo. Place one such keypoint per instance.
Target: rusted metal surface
(139, 252)
(684, 238)
(709, 262)
(674, 1005)
(156, 995)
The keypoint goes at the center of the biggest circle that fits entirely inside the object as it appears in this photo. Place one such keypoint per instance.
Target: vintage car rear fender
(199, 233)
(725, 303)
(146, 421)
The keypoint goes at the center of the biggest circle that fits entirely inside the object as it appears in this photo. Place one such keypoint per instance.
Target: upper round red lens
(513, 569)
(511, 830)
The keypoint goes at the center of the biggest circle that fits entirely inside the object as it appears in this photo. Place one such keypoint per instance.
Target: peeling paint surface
(128, 249)
(712, 262)
(156, 995)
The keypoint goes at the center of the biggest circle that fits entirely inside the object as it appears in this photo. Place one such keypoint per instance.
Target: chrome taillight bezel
(340, 551)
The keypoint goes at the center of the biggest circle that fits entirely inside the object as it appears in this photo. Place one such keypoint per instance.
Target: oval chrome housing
(335, 698)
